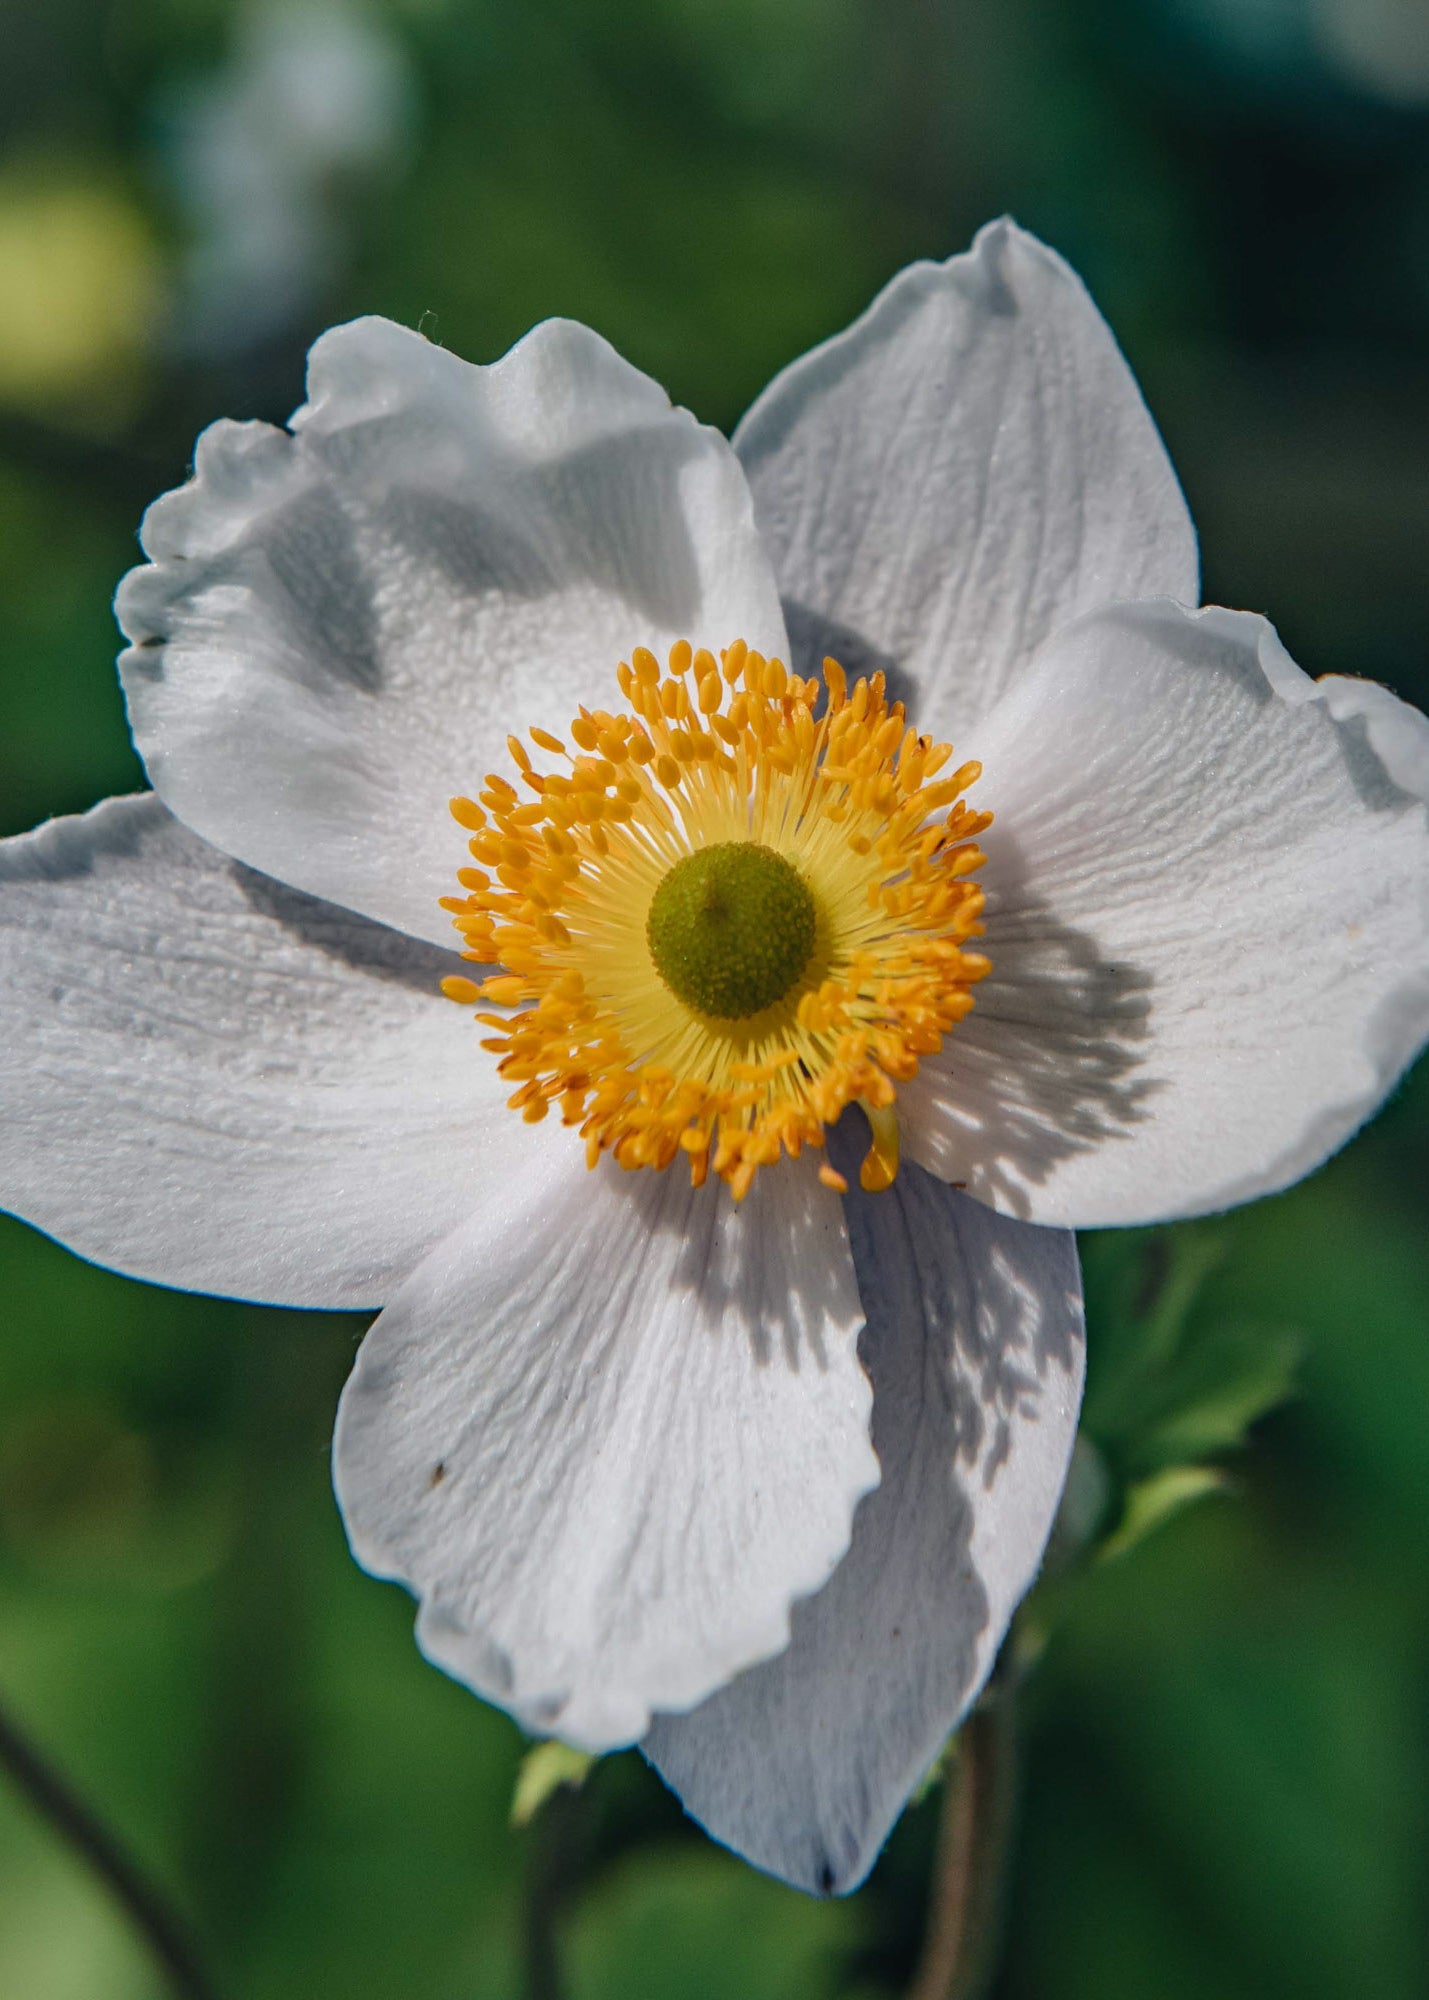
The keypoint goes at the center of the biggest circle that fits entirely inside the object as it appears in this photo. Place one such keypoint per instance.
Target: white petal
(958, 475)
(341, 624)
(975, 1347)
(607, 1437)
(212, 1081)
(1208, 921)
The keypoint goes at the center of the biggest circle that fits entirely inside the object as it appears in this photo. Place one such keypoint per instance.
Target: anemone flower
(731, 1343)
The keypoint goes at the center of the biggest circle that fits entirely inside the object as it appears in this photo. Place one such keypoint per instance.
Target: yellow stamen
(711, 753)
(880, 1163)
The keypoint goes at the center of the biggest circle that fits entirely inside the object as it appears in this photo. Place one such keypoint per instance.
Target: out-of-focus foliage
(81, 292)
(1169, 1391)
(1226, 1740)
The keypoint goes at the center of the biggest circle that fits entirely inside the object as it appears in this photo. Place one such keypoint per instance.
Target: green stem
(162, 1930)
(551, 1872)
(965, 1905)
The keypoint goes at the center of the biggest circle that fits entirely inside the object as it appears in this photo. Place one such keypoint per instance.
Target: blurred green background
(1225, 1746)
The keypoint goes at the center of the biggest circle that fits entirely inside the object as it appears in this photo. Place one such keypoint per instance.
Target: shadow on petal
(580, 519)
(356, 942)
(774, 1265)
(295, 567)
(813, 637)
(608, 1435)
(974, 1346)
(1051, 1061)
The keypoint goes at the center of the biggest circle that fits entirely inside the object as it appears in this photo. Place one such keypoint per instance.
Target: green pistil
(731, 928)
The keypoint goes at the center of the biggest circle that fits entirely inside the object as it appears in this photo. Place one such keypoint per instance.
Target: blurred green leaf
(1140, 1313)
(700, 1925)
(1150, 1502)
(1222, 1382)
(1238, 1713)
(1171, 1380)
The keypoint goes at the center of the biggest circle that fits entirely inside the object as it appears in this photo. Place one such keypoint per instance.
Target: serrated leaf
(545, 1769)
(1152, 1502)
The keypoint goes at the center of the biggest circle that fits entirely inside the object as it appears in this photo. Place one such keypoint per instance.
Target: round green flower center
(731, 928)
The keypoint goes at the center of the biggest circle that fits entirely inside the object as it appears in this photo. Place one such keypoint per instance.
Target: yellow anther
(565, 880)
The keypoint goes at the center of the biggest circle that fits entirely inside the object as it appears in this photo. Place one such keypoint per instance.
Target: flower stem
(965, 1905)
(137, 1895)
(551, 1873)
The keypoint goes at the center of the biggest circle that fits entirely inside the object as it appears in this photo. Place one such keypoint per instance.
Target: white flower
(265, 159)
(611, 1428)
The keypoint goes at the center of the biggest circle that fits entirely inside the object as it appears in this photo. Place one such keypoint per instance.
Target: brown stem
(140, 1898)
(965, 1906)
